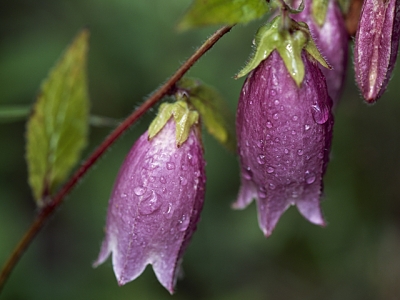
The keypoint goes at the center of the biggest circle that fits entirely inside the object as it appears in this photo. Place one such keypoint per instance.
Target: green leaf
(10, 114)
(57, 129)
(212, 12)
(214, 111)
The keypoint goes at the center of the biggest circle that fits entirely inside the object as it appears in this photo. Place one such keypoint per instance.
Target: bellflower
(329, 32)
(376, 46)
(155, 205)
(284, 134)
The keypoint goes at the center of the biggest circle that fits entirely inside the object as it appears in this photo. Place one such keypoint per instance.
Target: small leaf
(216, 115)
(57, 129)
(289, 40)
(183, 116)
(10, 114)
(319, 9)
(212, 12)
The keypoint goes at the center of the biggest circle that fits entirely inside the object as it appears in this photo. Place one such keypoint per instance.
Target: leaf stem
(58, 198)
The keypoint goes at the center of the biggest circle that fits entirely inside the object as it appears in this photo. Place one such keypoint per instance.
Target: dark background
(134, 48)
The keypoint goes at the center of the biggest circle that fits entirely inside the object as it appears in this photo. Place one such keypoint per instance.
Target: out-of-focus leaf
(211, 12)
(214, 111)
(10, 114)
(57, 129)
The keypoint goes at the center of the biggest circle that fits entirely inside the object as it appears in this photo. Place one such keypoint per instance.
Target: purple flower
(284, 136)
(155, 206)
(332, 41)
(376, 46)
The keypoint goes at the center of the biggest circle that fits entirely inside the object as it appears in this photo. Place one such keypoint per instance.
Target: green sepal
(58, 126)
(319, 9)
(214, 111)
(344, 6)
(288, 42)
(183, 116)
(213, 12)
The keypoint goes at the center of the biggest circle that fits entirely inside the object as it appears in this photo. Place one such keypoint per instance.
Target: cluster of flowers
(284, 130)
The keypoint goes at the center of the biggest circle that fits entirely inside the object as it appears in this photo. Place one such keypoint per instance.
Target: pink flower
(284, 136)
(376, 46)
(155, 206)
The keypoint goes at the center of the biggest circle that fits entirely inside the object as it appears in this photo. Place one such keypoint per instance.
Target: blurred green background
(134, 48)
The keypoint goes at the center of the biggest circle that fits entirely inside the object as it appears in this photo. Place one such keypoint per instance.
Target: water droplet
(183, 223)
(262, 193)
(261, 159)
(251, 102)
(270, 170)
(300, 152)
(276, 102)
(286, 151)
(269, 124)
(273, 92)
(295, 118)
(184, 167)
(162, 179)
(275, 116)
(248, 174)
(260, 143)
(170, 166)
(152, 179)
(183, 180)
(149, 204)
(320, 113)
(124, 195)
(293, 132)
(268, 136)
(310, 177)
(281, 108)
(168, 211)
(272, 186)
(320, 155)
(277, 140)
(307, 127)
(139, 191)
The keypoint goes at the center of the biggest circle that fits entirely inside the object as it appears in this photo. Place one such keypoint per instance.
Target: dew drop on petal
(262, 193)
(184, 167)
(271, 186)
(310, 177)
(275, 116)
(320, 114)
(168, 211)
(286, 151)
(300, 152)
(183, 180)
(170, 166)
(139, 191)
(150, 203)
(261, 159)
(269, 124)
(295, 118)
(248, 174)
(307, 127)
(270, 170)
(276, 102)
(162, 179)
(183, 223)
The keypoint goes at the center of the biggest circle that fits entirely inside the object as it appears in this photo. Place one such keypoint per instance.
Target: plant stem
(58, 198)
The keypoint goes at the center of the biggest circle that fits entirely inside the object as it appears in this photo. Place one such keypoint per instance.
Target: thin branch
(57, 199)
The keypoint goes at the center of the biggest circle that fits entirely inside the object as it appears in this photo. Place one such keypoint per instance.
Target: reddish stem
(58, 198)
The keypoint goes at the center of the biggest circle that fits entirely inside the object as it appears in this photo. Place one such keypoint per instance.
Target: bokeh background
(134, 48)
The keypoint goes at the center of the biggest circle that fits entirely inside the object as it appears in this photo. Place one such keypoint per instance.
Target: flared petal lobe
(376, 46)
(284, 136)
(333, 42)
(155, 206)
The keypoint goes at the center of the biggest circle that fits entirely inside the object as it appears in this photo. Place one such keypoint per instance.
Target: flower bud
(284, 134)
(332, 41)
(155, 206)
(376, 46)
